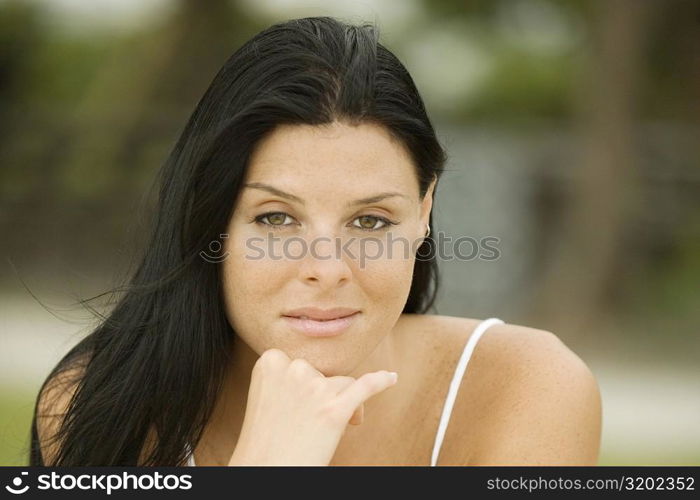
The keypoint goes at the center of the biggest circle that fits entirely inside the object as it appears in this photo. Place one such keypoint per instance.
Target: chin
(329, 360)
(334, 370)
(331, 367)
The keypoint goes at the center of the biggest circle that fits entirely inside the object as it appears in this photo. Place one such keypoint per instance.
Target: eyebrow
(282, 194)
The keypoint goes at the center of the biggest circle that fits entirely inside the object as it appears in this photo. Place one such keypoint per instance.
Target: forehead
(336, 154)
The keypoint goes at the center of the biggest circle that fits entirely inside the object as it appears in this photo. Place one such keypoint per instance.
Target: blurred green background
(572, 129)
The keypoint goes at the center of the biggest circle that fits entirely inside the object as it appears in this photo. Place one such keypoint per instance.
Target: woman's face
(318, 247)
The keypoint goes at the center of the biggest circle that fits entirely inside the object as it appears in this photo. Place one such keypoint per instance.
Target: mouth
(313, 327)
(320, 319)
(317, 314)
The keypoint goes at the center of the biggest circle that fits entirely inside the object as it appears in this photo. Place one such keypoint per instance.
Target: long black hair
(152, 369)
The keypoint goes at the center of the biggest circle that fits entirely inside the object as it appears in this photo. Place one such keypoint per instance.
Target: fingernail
(394, 376)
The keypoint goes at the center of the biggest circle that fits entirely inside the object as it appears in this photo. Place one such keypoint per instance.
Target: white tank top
(451, 393)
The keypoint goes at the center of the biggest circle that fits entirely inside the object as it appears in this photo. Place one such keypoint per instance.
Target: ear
(427, 204)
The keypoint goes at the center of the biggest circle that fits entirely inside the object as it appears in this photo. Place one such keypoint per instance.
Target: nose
(324, 263)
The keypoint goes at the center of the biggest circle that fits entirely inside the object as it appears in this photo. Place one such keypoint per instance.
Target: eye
(367, 223)
(276, 220)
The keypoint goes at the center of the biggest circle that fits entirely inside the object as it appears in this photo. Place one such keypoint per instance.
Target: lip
(316, 328)
(321, 314)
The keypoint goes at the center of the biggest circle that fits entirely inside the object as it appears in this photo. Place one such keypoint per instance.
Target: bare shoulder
(506, 353)
(52, 404)
(525, 399)
(438, 333)
(548, 409)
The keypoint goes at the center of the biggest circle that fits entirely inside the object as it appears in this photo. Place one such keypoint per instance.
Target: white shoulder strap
(456, 381)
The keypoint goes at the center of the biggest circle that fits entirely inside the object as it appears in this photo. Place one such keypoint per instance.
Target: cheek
(256, 281)
(385, 281)
(384, 270)
(251, 291)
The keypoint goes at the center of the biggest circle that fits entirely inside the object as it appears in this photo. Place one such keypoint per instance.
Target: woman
(267, 319)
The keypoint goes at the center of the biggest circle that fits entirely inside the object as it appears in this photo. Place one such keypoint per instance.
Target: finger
(359, 415)
(364, 388)
(271, 358)
(339, 383)
(303, 368)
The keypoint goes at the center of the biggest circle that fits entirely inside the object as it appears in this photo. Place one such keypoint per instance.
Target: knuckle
(298, 367)
(318, 385)
(270, 359)
(275, 355)
(298, 363)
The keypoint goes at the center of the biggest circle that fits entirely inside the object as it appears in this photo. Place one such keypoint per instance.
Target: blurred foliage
(523, 86)
(16, 409)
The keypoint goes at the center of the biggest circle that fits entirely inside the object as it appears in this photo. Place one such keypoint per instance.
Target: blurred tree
(604, 192)
(84, 135)
(635, 60)
(142, 97)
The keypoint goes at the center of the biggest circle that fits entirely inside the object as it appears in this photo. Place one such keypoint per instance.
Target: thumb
(364, 388)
